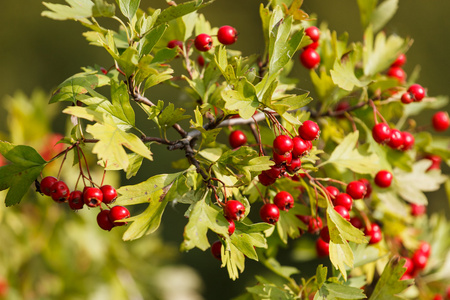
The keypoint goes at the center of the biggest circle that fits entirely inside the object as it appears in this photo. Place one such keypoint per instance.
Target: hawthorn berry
(368, 187)
(300, 146)
(435, 162)
(425, 248)
(383, 178)
(76, 200)
(216, 250)
(356, 189)
(279, 159)
(175, 43)
(407, 98)
(269, 213)
(309, 130)
(440, 121)
(227, 35)
(396, 140)
(325, 234)
(284, 200)
(309, 58)
(234, 210)
(117, 213)
(374, 233)
(313, 32)
(92, 196)
(265, 179)
(417, 91)
(332, 191)
(381, 133)
(282, 144)
(409, 265)
(345, 200)
(109, 194)
(294, 165)
(201, 61)
(104, 71)
(275, 171)
(46, 184)
(314, 224)
(399, 61)
(59, 191)
(342, 211)
(203, 42)
(398, 73)
(237, 138)
(408, 140)
(356, 222)
(231, 226)
(104, 221)
(322, 248)
(417, 209)
(419, 260)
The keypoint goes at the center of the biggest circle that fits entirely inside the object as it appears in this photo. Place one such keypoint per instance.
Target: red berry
(284, 200)
(237, 138)
(314, 224)
(332, 191)
(304, 219)
(279, 159)
(216, 250)
(59, 191)
(103, 220)
(109, 194)
(409, 265)
(309, 58)
(417, 91)
(227, 35)
(407, 98)
(76, 200)
(381, 133)
(396, 140)
(374, 233)
(231, 226)
(408, 140)
(435, 162)
(282, 144)
(420, 260)
(201, 61)
(313, 46)
(356, 222)
(175, 43)
(104, 71)
(383, 178)
(356, 189)
(418, 210)
(322, 248)
(265, 179)
(274, 171)
(294, 165)
(438, 297)
(46, 184)
(118, 213)
(440, 121)
(92, 196)
(425, 248)
(4, 288)
(309, 130)
(301, 147)
(313, 32)
(203, 42)
(397, 72)
(345, 200)
(400, 61)
(343, 212)
(325, 234)
(368, 187)
(234, 210)
(269, 213)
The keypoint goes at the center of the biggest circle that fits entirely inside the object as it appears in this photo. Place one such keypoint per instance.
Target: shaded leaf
(128, 7)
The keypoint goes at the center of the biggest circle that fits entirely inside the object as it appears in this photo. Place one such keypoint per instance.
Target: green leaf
(155, 79)
(171, 115)
(337, 225)
(128, 61)
(103, 9)
(147, 44)
(233, 259)
(332, 290)
(243, 99)
(128, 7)
(341, 255)
(346, 155)
(26, 166)
(366, 9)
(175, 12)
(389, 285)
(343, 74)
(383, 13)
(321, 275)
(289, 225)
(247, 237)
(78, 10)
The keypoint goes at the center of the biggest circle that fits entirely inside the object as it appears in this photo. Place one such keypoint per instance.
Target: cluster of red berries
(227, 35)
(415, 93)
(396, 71)
(309, 57)
(90, 196)
(394, 138)
(270, 212)
(417, 262)
(287, 152)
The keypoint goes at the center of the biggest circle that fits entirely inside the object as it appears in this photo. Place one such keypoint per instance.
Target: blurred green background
(37, 52)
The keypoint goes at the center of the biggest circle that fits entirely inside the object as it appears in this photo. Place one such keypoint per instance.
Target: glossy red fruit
(280, 159)
(400, 61)
(46, 184)
(227, 35)
(59, 191)
(103, 220)
(284, 200)
(332, 191)
(275, 171)
(76, 200)
(345, 200)
(407, 98)
(231, 226)
(175, 43)
(381, 133)
(269, 213)
(301, 147)
(409, 265)
(419, 260)
(418, 210)
(118, 213)
(234, 210)
(356, 222)
(265, 179)
(309, 130)
(368, 187)
(440, 121)
(237, 138)
(356, 189)
(216, 249)
(325, 234)
(343, 212)
(203, 42)
(109, 194)
(417, 91)
(294, 165)
(313, 32)
(408, 140)
(282, 144)
(313, 46)
(374, 233)
(322, 248)
(435, 162)
(396, 140)
(309, 58)
(201, 61)
(425, 248)
(304, 219)
(383, 178)
(398, 73)
(104, 71)
(315, 224)
(92, 196)
(438, 297)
